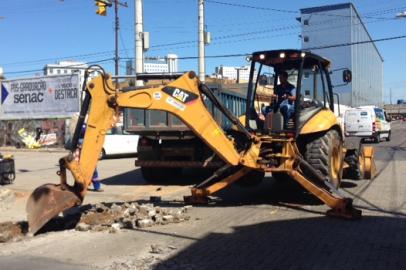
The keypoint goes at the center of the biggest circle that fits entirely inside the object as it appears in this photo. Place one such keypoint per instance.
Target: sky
(35, 33)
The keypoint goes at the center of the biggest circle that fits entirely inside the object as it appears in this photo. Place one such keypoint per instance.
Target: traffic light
(102, 7)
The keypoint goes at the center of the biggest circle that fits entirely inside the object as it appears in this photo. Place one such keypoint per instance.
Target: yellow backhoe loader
(305, 145)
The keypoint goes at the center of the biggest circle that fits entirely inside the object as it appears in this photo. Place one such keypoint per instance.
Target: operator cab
(275, 105)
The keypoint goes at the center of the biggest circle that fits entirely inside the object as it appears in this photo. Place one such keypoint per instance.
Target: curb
(46, 150)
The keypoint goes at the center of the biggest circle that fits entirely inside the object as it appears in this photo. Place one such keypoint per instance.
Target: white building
(333, 26)
(240, 74)
(161, 65)
(70, 67)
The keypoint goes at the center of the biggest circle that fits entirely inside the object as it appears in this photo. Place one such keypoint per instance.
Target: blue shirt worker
(285, 93)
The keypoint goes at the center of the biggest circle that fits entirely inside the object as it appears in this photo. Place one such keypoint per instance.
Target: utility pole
(116, 29)
(139, 50)
(102, 10)
(390, 96)
(202, 64)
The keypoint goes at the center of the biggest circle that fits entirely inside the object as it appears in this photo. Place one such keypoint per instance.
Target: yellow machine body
(322, 121)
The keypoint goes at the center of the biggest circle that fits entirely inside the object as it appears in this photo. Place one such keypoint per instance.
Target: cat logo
(180, 95)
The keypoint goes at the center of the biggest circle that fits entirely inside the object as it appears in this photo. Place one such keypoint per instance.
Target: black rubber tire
(354, 171)
(159, 175)
(251, 179)
(319, 153)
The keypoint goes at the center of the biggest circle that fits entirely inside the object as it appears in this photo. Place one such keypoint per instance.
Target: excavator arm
(181, 98)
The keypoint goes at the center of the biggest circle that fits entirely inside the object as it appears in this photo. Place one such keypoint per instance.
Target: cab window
(313, 85)
(263, 87)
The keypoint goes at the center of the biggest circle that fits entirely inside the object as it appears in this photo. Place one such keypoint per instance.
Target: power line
(217, 41)
(58, 58)
(74, 65)
(285, 10)
(252, 7)
(260, 32)
(356, 43)
(281, 28)
(123, 44)
(154, 47)
(307, 49)
(244, 54)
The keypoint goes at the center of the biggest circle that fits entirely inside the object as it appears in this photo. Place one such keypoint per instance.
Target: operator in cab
(285, 94)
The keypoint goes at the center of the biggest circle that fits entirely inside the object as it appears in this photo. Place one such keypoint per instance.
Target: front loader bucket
(46, 202)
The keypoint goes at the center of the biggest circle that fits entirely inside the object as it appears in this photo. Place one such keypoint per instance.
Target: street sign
(40, 97)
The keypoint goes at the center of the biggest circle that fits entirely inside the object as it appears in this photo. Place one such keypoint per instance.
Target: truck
(167, 146)
(305, 146)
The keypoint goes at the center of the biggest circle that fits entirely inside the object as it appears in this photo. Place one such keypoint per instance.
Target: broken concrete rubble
(101, 217)
(128, 216)
(7, 197)
(12, 231)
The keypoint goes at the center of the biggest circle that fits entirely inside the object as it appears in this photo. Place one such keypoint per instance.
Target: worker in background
(95, 178)
(285, 93)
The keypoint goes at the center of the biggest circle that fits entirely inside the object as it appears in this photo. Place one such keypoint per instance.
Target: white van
(119, 142)
(369, 122)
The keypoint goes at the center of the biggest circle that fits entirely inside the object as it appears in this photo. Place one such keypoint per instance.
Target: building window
(65, 71)
(58, 71)
(306, 39)
(51, 71)
(306, 22)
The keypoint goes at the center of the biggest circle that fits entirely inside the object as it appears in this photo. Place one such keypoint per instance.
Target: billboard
(40, 97)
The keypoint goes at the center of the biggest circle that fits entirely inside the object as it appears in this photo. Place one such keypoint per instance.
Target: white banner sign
(40, 97)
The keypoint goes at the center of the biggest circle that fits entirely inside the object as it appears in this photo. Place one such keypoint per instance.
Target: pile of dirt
(113, 217)
(10, 231)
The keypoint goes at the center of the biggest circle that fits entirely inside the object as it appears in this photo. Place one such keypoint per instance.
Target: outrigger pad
(46, 202)
(196, 200)
(347, 211)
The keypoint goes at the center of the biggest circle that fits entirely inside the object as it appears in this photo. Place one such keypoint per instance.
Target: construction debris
(115, 217)
(6, 198)
(10, 231)
(106, 217)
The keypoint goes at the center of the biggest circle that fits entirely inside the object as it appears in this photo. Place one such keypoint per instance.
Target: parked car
(369, 122)
(119, 142)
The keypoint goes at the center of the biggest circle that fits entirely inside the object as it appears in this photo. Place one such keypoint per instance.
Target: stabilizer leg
(200, 194)
(340, 206)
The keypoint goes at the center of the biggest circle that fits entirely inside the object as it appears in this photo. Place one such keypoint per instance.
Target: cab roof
(284, 59)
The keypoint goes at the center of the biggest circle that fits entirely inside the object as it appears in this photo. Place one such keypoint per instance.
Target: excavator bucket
(46, 202)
